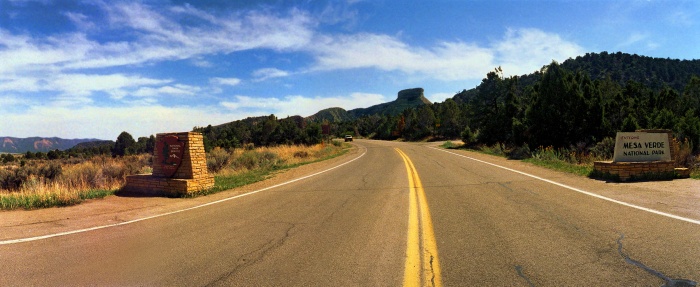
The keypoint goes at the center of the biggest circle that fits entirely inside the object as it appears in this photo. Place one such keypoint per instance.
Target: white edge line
(689, 220)
(28, 239)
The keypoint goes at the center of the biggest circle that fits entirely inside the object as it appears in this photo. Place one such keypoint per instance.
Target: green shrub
(604, 149)
(218, 159)
(252, 159)
(521, 152)
(468, 137)
(497, 149)
(448, 145)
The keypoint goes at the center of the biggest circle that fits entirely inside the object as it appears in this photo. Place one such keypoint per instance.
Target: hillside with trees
(575, 104)
(406, 99)
(261, 131)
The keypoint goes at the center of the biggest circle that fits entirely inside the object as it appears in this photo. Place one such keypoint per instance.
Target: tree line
(262, 131)
(560, 108)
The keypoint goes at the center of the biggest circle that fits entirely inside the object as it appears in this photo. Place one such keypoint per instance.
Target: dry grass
(42, 183)
(242, 160)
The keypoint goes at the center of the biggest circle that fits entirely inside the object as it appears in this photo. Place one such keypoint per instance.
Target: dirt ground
(679, 197)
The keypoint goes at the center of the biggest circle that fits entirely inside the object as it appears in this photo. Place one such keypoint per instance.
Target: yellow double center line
(422, 267)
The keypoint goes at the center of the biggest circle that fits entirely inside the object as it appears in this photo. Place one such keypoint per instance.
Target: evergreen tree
(448, 118)
(124, 145)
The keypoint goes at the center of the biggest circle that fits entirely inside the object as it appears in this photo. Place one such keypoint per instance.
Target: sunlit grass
(251, 166)
(79, 180)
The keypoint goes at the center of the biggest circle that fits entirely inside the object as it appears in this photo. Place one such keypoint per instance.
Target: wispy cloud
(268, 73)
(175, 90)
(108, 122)
(636, 39)
(523, 51)
(225, 81)
(520, 51)
(446, 60)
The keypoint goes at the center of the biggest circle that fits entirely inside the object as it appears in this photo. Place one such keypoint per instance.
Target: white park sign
(638, 147)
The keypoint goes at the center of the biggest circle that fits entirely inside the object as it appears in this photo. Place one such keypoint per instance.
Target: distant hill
(333, 115)
(654, 73)
(36, 144)
(409, 98)
(94, 144)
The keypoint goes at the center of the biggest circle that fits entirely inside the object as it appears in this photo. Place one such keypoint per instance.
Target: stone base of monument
(636, 170)
(179, 167)
(147, 184)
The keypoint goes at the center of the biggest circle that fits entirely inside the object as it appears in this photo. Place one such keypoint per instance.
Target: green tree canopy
(124, 145)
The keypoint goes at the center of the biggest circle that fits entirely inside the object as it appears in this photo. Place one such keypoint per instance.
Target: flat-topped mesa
(412, 95)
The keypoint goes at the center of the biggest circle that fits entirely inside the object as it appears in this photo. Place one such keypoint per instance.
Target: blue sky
(92, 69)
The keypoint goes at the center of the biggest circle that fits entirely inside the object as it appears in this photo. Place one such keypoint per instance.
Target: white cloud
(444, 61)
(11, 101)
(175, 90)
(225, 81)
(301, 105)
(85, 84)
(523, 51)
(439, 97)
(20, 84)
(156, 35)
(268, 73)
(21, 53)
(108, 122)
(80, 20)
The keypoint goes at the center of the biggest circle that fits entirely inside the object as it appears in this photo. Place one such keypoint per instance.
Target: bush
(12, 179)
(251, 159)
(301, 154)
(522, 152)
(51, 171)
(605, 149)
(468, 137)
(448, 145)
(497, 149)
(114, 170)
(548, 154)
(218, 159)
(684, 153)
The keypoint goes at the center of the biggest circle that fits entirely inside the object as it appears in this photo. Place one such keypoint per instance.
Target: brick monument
(179, 167)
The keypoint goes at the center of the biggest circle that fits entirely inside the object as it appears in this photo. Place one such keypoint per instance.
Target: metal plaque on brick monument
(171, 149)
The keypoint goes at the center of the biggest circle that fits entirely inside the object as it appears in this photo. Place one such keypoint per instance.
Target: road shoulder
(679, 196)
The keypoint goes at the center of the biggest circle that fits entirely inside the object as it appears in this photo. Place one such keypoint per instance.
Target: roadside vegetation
(40, 182)
(576, 160)
(239, 167)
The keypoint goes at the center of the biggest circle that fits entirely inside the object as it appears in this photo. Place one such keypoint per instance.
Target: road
(372, 222)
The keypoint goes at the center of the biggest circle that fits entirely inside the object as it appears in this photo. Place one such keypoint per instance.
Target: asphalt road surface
(398, 214)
